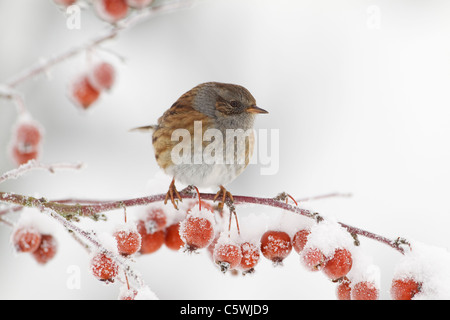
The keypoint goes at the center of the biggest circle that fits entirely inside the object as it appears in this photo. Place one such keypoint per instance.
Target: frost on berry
(151, 241)
(111, 10)
(26, 140)
(326, 245)
(365, 290)
(101, 76)
(339, 264)
(26, 239)
(250, 257)
(404, 288)
(104, 268)
(47, 249)
(197, 229)
(155, 219)
(82, 93)
(128, 240)
(276, 246)
(300, 239)
(365, 278)
(313, 259)
(343, 290)
(227, 253)
(139, 4)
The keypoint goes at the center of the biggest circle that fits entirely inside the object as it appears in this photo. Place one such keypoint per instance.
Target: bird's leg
(170, 194)
(225, 194)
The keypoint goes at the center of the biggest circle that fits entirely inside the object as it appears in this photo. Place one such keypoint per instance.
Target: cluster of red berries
(42, 247)
(87, 88)
(197, 231)
(26, 143)
(111, 10)
(147, 236)
(401, 289)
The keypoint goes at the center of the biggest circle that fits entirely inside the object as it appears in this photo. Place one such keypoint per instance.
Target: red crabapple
(104, 268)
(26, 239)
(155, 220)
(26, 141)
(404, 289)
(313, 259)
(111, 10)
(343, 290)
(173, 240)
(364, 290)
(28, 135)
(250, 256)
(22, 158)
(139, 4)
(102, 76)
(128, 241)
(151, 241)
(197, 232)
(299, 240)
(46, 250)
(227, 256)
(276, 245)
(83, 93)
(339, 265)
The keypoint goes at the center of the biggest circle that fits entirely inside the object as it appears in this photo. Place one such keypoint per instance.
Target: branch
(111, 34)
(70, 211)
(33, 164)
(119, 260)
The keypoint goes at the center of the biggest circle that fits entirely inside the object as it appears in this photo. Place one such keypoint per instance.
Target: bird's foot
(172, 193)
(227, 197)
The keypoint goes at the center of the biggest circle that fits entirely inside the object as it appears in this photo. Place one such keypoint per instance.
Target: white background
(360, 107)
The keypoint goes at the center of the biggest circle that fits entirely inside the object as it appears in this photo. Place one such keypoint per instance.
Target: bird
(220, 110)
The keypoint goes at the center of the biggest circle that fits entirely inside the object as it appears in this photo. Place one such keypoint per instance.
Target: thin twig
(122, 262)
(33, 164)
(131, 21)
(325, 196)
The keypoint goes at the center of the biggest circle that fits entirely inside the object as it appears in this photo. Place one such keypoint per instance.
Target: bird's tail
(150, 128)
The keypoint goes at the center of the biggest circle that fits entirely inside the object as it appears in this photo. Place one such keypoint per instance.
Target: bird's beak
(255, 109)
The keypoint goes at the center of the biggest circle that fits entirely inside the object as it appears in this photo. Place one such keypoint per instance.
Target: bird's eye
(234, 103)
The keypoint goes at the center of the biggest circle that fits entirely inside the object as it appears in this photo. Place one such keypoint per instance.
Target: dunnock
(227, 108)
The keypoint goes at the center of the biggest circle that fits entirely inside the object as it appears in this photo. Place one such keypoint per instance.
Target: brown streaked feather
(179, 116)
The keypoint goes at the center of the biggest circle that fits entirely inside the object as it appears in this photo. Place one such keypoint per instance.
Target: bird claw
(171, 193)
(226, 197)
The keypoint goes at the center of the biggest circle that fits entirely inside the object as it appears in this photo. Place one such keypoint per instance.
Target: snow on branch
(94, 208)
(33, 164)
(45, 64)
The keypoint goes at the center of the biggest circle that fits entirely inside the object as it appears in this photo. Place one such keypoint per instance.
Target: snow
(32, 218)
(327, 236)
(429, 265)
(144, 293)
